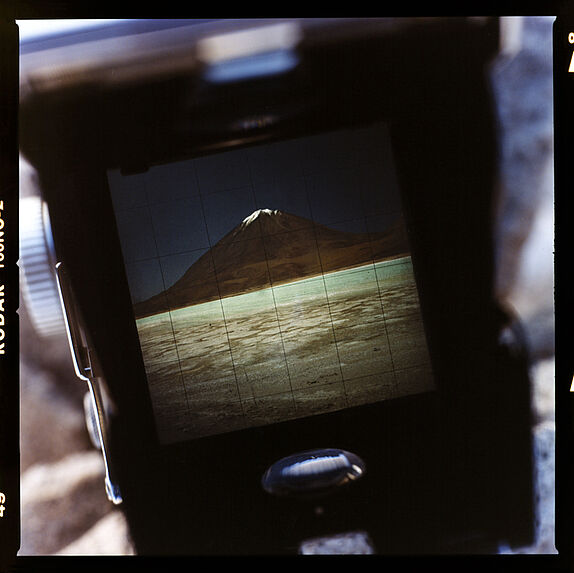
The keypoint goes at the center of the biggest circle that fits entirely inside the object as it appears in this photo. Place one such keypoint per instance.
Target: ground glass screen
(271, 283)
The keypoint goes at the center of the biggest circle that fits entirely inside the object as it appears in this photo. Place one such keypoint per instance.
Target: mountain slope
(270, 248)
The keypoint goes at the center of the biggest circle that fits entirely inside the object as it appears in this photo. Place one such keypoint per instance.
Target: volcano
(269, 248)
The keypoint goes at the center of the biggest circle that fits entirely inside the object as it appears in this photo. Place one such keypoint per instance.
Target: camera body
(272, 242)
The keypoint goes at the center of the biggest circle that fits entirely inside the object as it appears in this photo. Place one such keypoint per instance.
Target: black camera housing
(447, 471)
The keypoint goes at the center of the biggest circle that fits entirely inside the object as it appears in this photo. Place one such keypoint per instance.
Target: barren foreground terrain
(316, 345)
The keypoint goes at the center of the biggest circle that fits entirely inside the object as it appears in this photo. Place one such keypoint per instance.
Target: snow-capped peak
(248, 220)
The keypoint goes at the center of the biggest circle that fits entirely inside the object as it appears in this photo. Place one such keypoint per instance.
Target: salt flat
(316, 345)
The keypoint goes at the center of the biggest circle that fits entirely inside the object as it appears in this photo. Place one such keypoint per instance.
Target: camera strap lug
(84, 367)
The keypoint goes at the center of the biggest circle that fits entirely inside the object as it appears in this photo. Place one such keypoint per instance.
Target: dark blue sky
(169, 216)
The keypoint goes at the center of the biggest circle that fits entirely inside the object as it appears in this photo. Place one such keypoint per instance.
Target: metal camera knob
(313, 472)
(38, 281)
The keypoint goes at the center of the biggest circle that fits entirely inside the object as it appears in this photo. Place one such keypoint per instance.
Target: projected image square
(271, 283)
